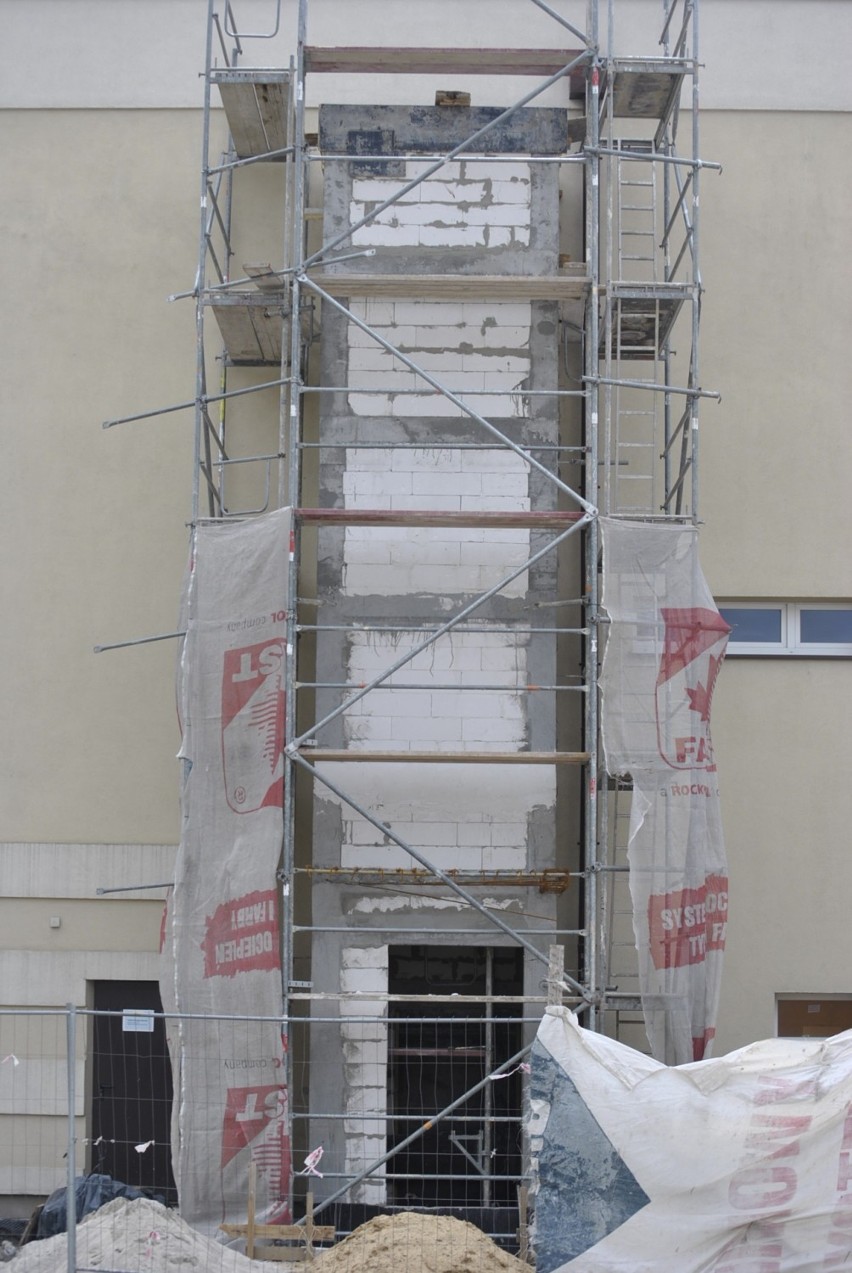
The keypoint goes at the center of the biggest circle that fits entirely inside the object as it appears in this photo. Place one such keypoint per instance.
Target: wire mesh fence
(367, 1118)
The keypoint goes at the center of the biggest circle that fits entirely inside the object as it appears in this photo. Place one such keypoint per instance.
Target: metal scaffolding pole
(592, 548)
(291, 423)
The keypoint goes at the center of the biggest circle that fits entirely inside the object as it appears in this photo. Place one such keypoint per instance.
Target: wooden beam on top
(534, 520)
(407, 61)
(328, 754)
(456, 287)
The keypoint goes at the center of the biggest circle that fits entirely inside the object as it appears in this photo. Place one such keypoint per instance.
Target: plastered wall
(781, 731)
(757, 53)
(59, 936)
(774, 468)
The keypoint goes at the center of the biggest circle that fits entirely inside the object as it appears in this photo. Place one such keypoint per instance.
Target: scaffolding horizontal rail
(527, 520)
(550, 880)
(320, 754)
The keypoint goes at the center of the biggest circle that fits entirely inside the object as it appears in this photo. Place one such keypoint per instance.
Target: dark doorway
(437, 1052)
(131, 1088)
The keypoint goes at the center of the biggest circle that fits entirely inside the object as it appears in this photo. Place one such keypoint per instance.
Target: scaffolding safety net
(222, 939)
(665, 645)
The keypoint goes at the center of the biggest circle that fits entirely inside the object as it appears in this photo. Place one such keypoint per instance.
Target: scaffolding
(322, 372)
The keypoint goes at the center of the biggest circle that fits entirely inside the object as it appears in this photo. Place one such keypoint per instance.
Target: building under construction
(478, 326)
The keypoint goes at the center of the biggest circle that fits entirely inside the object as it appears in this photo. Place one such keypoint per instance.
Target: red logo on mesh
(688, 923)
(253, 726)
(693, 648)
(242, 936)
(251, 1113)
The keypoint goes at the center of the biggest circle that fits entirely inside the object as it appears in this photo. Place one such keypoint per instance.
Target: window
(789, 627)
(812, 1017)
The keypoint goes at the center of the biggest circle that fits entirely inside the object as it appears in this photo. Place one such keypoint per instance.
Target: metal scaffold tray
(647, 88)
(641, 324)
(251, 326)
(256, 104)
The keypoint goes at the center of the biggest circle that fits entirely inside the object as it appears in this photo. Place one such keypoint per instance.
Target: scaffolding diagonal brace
(434, 636)
(435, 870)
(441, 388)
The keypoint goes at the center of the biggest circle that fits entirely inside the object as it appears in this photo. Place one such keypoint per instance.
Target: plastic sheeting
(91, 1192)
(665, 645)
(737, 1165)
(221, 940)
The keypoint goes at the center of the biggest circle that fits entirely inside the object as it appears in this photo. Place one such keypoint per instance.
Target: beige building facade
(101, 145)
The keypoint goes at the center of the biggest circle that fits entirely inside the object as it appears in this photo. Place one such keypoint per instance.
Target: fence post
(71, 1191)
(555, 974)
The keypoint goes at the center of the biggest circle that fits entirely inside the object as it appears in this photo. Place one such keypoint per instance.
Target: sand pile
(134, 1236)
(413, 1243)
(144, 1237)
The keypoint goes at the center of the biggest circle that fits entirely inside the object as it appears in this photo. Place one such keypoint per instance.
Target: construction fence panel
(434, 1124)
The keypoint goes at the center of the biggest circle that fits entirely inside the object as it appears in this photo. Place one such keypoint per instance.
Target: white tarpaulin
(736, 1165)
(665, 644)
(222, 950)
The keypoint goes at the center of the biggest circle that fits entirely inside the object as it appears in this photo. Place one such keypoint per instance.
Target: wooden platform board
(455, 287)
(327, 754)
(396, 60)
(545, 520)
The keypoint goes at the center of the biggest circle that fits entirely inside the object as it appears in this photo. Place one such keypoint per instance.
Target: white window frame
(790, 643)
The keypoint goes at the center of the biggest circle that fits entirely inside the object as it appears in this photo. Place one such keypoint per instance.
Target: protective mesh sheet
(665, 644)
(221, 940)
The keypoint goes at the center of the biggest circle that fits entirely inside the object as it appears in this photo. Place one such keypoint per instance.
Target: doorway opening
(436, 1053)
(131, 1092)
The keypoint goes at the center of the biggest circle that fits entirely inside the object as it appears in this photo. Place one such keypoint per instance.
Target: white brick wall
(464, 204)
(470, 348)
(437, 720)
(471, 819)
(365, 1056)
(398, 562)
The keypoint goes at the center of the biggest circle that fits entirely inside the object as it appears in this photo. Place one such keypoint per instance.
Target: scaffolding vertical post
(293, 397)
(668, 178)
(289, 249)
(696, 272)
(592, 547)
(487, 1095)
(603, 394)
(200, 362)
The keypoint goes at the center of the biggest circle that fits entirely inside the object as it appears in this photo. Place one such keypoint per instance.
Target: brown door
(813, 1018)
